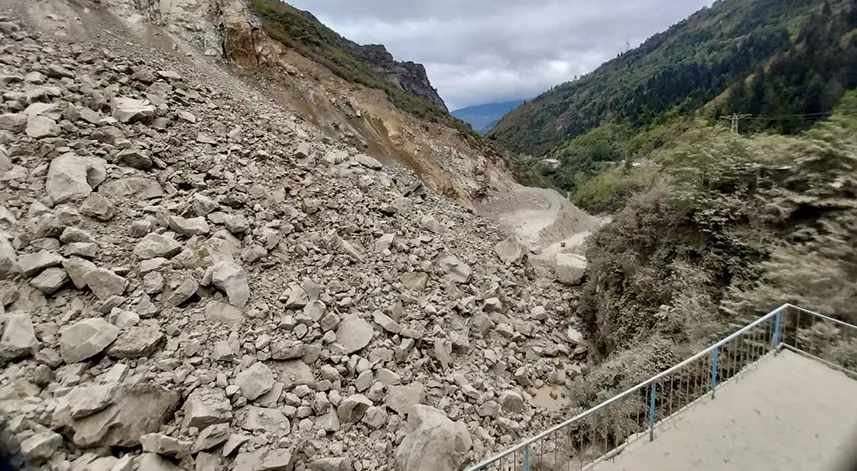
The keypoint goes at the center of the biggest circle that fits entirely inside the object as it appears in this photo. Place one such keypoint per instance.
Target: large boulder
(129, 110)
(157, 246)
(8, 260)
(86, 338)
(456, 270)
(205, 407)
(510, 250)
(230, 278)
(255, 380)
(135, 410)
(19, 337)
(42, 126)
(133, 187)
(353, 334)
(72, 178)
(238, 40)
(433, 442)
(570, 268)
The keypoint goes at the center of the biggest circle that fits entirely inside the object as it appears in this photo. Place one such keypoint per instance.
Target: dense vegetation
(301, 31)
(785, 62)
(721, 229)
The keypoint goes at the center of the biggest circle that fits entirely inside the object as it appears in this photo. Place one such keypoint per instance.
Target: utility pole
(735, 118)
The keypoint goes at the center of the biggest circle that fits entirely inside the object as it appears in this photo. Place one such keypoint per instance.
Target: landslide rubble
(191, 278)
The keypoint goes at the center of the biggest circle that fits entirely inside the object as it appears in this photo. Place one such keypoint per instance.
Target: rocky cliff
(409, 76)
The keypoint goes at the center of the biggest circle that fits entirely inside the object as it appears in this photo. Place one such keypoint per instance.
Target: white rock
(511, 401)
(455, 269)
(19, 337)
(353, 334)
(77, 268)
(331, 464)
(104, 283)
(255, 380)
(352, 408)
(402, 398)
(230, 278)
(33, 264)
(155, 462)
(72, 178)
(39, 127)
(8, 260)
(129, 110)
(510, 250)
(157, 245)
(433, 442)
(205, 407)
(570, 268)
(50, 280)
(41, 446)
(368, 161)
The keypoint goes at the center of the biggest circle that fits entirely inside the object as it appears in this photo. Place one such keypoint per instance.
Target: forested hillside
(785, 62)
(720, 229)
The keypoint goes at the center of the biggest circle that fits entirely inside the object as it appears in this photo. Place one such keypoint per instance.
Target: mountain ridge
(484, 117)
(678, 72)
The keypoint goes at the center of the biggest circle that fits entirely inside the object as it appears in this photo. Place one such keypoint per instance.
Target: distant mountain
(484, 117)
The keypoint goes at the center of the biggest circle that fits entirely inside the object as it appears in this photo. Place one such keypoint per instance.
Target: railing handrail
(524, 444)
(827, 318)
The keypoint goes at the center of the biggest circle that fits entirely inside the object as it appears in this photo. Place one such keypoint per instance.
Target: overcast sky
(482, 51)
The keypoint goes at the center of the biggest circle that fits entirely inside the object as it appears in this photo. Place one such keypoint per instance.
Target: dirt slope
(446, 160)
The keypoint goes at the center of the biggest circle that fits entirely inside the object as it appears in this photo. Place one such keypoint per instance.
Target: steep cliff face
(408, 76)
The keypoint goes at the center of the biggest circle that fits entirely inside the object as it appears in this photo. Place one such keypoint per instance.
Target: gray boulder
(456, 270)
(19, 337)
(510, 250)
(72, 178)
(39, 127)
(230, 278)
(86, 338)
(433, 442)
(157, 245)
(104, 283)
(402, 398)
(353, 334)
(570, 268)
(136, 410)
(255, 380)
(130, 110)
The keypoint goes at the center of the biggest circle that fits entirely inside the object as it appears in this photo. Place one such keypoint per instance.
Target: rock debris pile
(187, 282)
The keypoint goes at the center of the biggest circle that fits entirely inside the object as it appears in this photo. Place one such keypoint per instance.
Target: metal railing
(604, 430)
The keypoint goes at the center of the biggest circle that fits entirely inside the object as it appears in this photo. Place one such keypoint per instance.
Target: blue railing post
(713, 372)
(652, 413)
(778, 319)
(527, 458)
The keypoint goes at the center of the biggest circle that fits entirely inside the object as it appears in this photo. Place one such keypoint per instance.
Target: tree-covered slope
(791, 59)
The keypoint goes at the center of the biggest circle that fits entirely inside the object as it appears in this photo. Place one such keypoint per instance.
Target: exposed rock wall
(409, 76)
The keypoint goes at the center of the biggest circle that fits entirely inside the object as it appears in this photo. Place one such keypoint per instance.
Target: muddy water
(544, 399)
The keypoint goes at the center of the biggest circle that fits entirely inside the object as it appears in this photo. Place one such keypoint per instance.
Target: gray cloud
(480, 51)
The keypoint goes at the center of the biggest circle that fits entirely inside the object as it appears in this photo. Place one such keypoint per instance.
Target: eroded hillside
(447, 157)
(194, 276)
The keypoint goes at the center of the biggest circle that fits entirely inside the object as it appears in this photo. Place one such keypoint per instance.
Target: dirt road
(544, 220)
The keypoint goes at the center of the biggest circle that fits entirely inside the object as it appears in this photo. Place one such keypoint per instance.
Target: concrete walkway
(788, 413)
